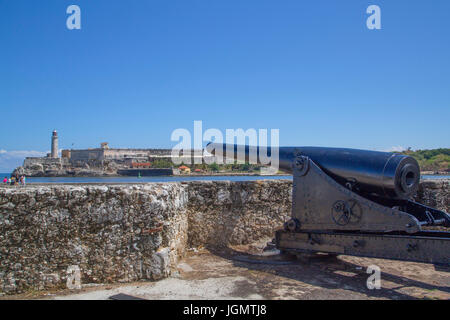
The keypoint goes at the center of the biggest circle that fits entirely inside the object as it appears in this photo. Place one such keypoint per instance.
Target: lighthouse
(54, 153)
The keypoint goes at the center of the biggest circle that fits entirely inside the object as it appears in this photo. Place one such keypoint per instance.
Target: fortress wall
(85, 155)
(43, 161)
(122, 153)
(112, 233)
(232, 213)
(102, 154)
(124, 233)
(435, 193)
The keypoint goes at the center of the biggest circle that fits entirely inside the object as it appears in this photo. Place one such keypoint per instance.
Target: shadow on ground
(342, 277)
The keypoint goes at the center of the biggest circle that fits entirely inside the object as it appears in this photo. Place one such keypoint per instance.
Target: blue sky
(137, 70)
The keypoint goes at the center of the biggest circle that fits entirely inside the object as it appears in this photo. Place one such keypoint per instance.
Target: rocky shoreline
(88, 173)
(99, 173)
(38, 170)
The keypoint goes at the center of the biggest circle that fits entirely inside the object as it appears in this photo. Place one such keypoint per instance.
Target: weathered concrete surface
(125, 233)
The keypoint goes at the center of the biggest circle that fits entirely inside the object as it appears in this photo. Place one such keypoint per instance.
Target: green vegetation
(235, 167)
(214, 167)
(162, 164)
(431, 160)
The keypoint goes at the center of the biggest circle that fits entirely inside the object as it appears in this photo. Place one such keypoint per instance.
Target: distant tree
(162, 163)
(214, 167)
(432, 160)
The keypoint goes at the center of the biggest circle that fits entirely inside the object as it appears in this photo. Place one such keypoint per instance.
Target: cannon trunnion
(356, 202)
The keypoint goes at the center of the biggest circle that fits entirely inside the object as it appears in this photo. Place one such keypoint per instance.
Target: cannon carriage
(354, 202)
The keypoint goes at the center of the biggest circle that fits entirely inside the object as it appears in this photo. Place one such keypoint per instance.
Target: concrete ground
(225, 274)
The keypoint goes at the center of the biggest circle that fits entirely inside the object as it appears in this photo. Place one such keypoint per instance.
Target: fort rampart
(124, 233)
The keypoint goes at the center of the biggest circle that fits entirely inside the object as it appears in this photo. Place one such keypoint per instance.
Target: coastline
(209, 174)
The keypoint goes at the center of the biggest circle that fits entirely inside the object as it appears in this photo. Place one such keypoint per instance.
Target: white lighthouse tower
(54, 153)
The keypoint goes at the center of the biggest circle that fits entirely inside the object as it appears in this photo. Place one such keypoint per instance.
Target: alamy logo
(374, 20)
(259, 150)
(73, 277)
(374, 280)
(74, 20)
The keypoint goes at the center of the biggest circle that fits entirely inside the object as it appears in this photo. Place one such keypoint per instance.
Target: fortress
(102, 161)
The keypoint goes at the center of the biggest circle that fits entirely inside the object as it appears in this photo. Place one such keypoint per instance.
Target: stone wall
(102, 154)
(123, 233)
(230, 213)
(112, 233)
(87, 154)
(29, 161)
(435, 193)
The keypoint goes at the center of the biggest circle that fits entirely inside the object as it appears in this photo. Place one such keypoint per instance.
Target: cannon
(354, 202)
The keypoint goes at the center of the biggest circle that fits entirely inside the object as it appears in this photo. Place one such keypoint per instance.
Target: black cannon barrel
(386, 174)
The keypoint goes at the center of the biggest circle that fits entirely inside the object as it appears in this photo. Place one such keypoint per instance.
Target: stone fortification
(123, 233)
